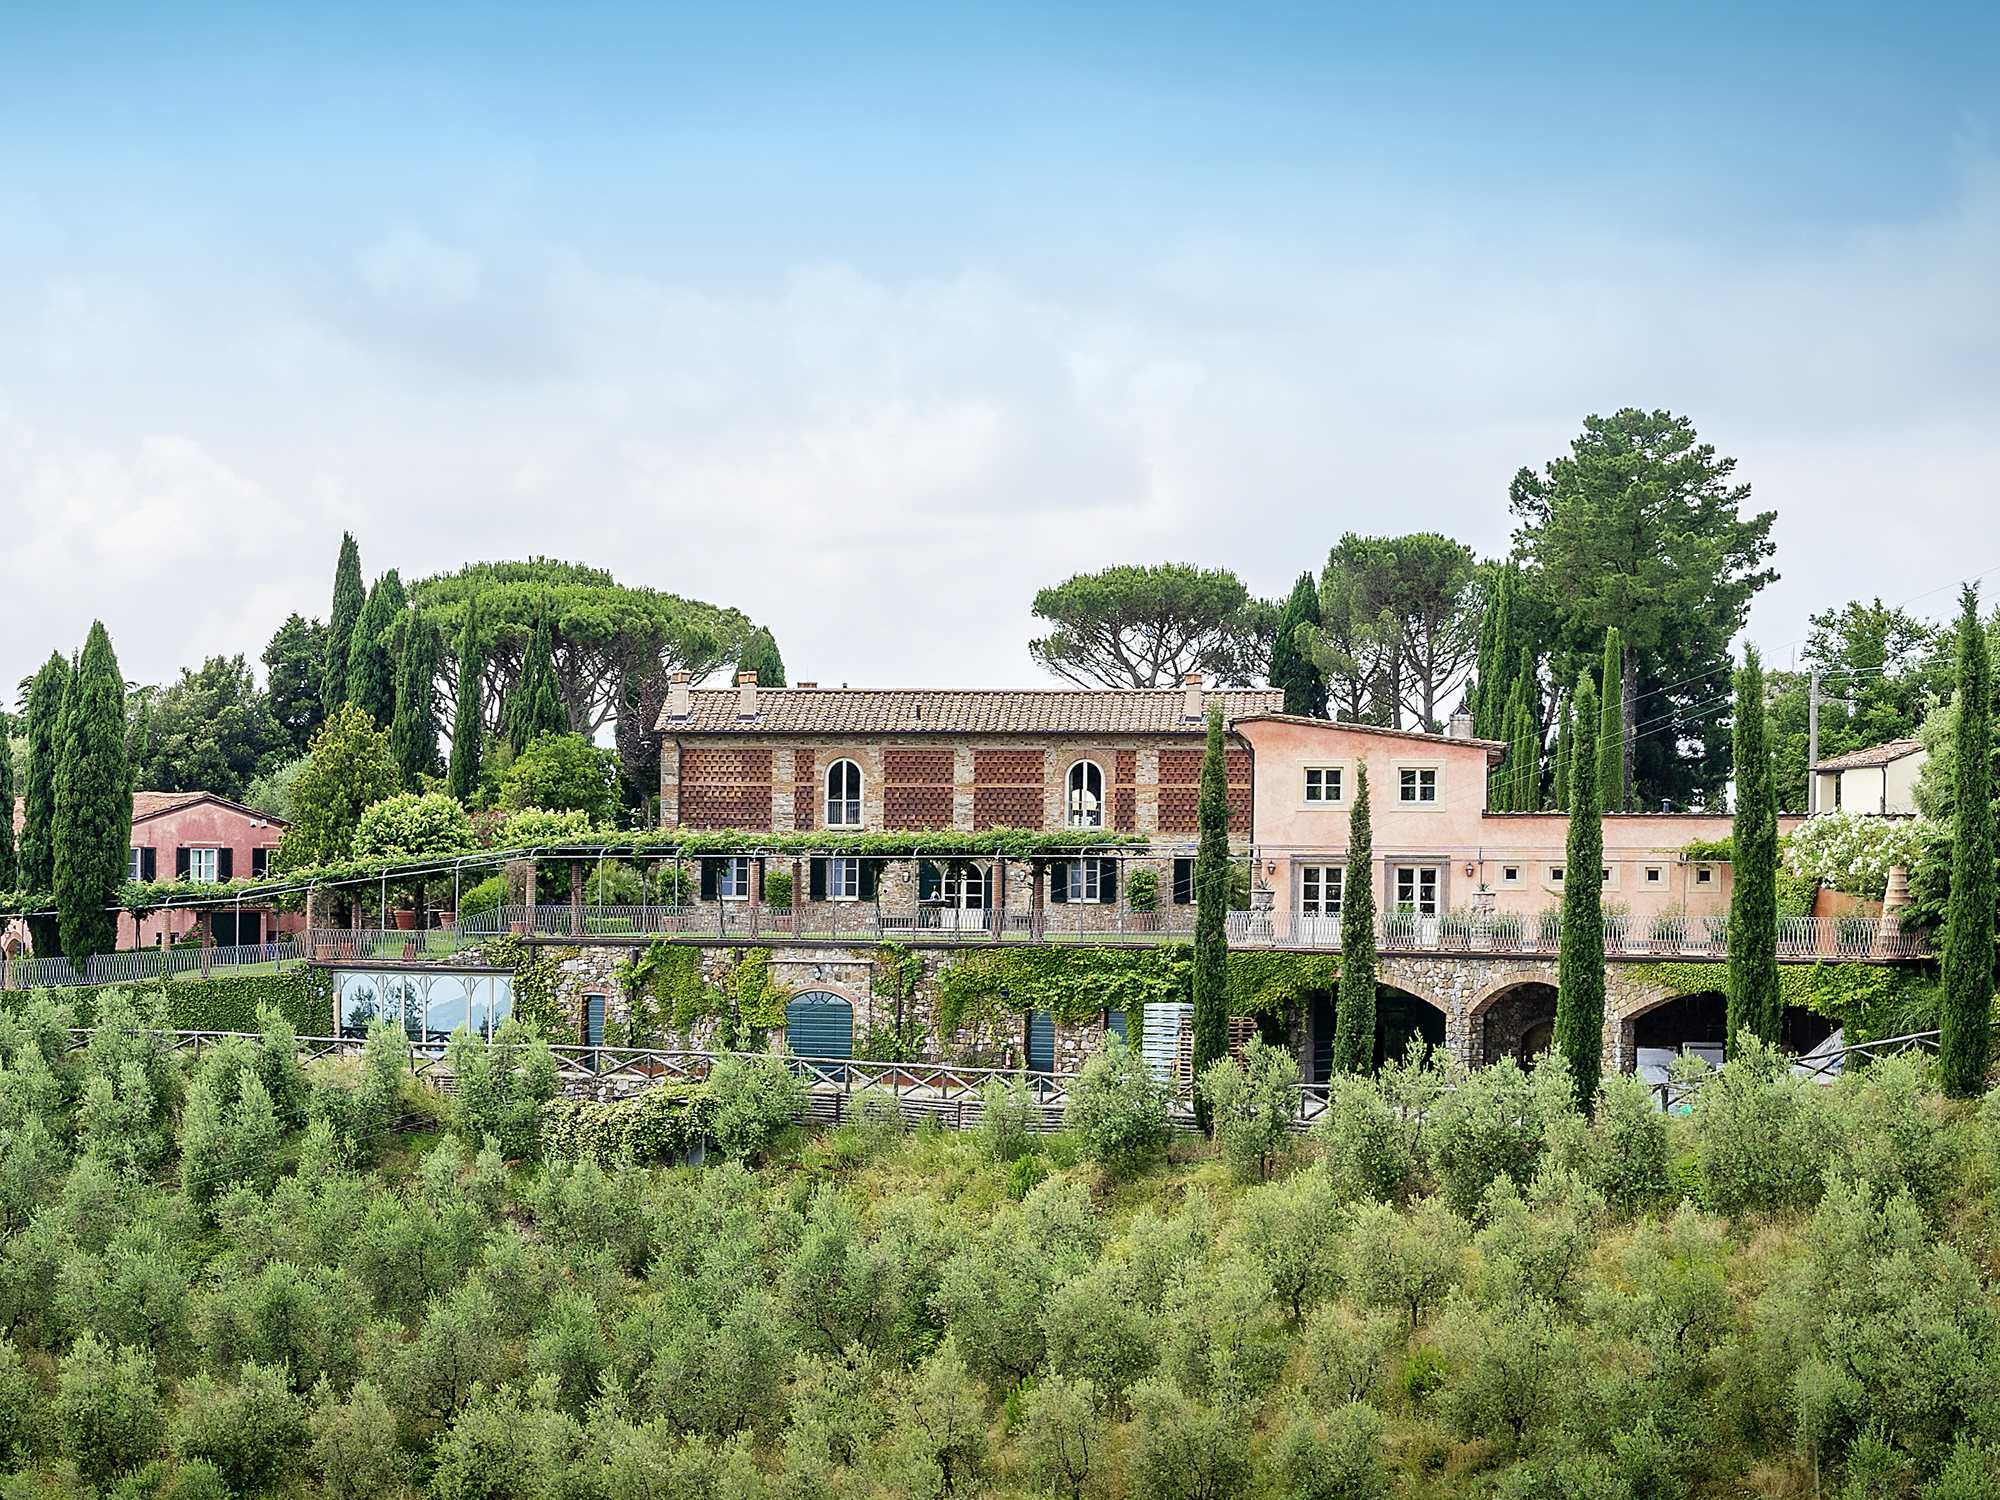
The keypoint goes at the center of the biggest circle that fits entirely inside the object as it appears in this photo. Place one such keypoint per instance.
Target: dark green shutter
(1184, 882)
(1107, 880)
(181, 863)
(819, 1024)
(929, 882)
(709, 874)
(868, 878)
(816, 880)
(1041, 1042)
(1059, 882)
(225, 864)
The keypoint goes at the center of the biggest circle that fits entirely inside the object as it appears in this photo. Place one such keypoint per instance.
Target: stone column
(576, 898)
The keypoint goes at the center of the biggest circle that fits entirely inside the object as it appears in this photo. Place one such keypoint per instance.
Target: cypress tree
(1565, 751)
(348, 598)
(1965, 1013)
(760, 655)
(1580, 963)
(1211, 921)
(413, 734)
(467, 727)
(38, 800)
(1611, 728)
(9, 861)
(536, 708)
(1754, 998)
(93, 822)
(1525, 749)
(1291, 669)
(371, 669)
(1354, 1012)
(1492, 686)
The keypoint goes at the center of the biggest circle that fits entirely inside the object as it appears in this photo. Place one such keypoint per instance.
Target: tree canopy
(1399, 626)
(1638, 527)
(349, 771)
(296, 662)
(1145, 627)
(371, 662)
(615, 648)
(1291, 669)
(760, 655)
(211, 731)
(349, 595)
(563, 773)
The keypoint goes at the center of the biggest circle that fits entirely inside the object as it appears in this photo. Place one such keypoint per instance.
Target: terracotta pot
(406, 921)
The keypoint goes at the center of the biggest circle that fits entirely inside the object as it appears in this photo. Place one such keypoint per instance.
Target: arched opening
(1400, 1017)
(843, 795)
(1519, 1023)
(1694, 1025)
(819, 1023)
(1086, 795)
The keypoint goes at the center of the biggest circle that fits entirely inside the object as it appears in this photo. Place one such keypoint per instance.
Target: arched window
(1086, 795)
(843, 795)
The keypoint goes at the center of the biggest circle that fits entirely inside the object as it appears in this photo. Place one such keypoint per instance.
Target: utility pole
(1812, 743)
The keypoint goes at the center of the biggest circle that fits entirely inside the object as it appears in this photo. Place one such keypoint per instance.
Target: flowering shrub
(413, 826)
(1853, 851)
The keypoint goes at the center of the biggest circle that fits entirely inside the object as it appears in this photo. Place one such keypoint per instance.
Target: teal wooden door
(819, 1024)
(1041, 1042)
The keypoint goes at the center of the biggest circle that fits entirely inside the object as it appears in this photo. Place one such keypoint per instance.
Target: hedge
(226, 1003)
(655, 1126)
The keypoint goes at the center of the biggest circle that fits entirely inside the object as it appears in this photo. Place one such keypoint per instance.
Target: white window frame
(1705, 875)
(1510, 875)
(1336, 771)
(135, 860)
(1552, 877)
(1410, 778)
(732, 881)
(1075, 813)
(843, 878)
(204, 866)
(1610, 876)
(1082, 884)
(842, 811)
(1416, 887)
(1656, 877)
(1315, 881)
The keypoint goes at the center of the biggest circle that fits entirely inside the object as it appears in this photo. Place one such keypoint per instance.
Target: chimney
(1192, 707)
(805, 684)
(746, 695)
(1460, 727)
(677, 696)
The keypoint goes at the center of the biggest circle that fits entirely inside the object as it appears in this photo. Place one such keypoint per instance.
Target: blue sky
(870, 320)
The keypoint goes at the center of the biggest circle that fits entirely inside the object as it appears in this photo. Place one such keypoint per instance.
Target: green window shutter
(710, 870)
(1107, 880)
(1059, 882)
(867, 878)
(816, 881)
(929, 881)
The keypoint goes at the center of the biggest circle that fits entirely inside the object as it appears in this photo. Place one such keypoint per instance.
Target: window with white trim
(1417, 784)
(843, 879)
(1417, 889)
(135, 861)
(1323, 784)
(1320, 890)
(1082, 879)
(732, 880)
(1703, 875)
(843, 795)
(1510, 874)
(201, 866)
(1086, 796)
(1555, 874)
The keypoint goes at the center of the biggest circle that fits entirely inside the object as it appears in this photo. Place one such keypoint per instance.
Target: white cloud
(886, 469)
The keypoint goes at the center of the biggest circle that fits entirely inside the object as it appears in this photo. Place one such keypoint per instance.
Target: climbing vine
(1852, 995)
(1272, 983)
(538, 977)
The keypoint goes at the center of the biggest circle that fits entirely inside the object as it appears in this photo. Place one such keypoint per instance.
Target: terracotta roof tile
(1874, 755)
(960, 710)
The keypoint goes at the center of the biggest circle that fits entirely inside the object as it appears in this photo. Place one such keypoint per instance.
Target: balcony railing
(146, 964)
(825, 920)
(1541, 933)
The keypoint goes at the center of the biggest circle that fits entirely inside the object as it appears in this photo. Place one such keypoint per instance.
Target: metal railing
(1541, 933)
(835, 920)
(143, 964)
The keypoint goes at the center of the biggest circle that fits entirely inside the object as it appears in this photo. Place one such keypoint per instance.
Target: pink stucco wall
(209, 823)
(1468, 846)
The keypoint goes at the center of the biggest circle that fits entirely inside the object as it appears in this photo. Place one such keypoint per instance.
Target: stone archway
(1518, 1021)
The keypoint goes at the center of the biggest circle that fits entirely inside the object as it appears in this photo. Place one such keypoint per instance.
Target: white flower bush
(1853, 851)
